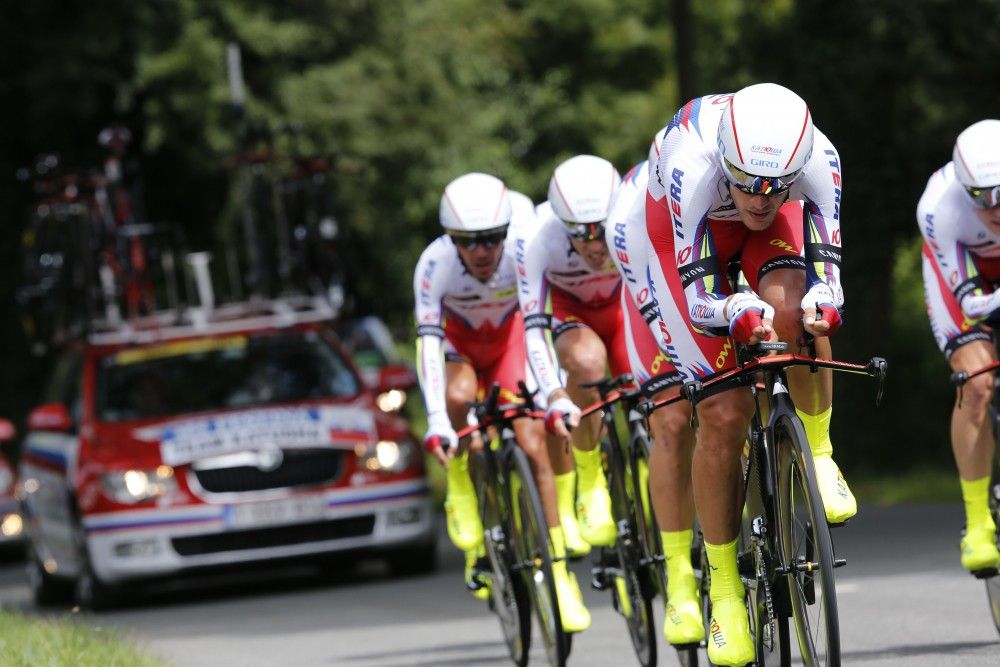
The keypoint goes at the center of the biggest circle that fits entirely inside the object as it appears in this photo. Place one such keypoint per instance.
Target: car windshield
(216, 373)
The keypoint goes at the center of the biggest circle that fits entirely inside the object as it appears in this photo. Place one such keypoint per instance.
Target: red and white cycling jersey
(459, 315)
(688, 188)
(650, 366)
(558, 288)
(961, 258)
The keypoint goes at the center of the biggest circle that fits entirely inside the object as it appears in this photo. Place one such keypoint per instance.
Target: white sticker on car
(190, 440)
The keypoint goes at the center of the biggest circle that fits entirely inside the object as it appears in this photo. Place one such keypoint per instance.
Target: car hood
(186, 439)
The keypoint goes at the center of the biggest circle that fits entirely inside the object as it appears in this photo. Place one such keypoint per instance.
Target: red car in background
(11, 525)
(246, 439)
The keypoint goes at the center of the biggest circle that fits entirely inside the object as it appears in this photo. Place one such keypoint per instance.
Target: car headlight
(391, 401)
(134, 486)
(6, 480)
(385, 456)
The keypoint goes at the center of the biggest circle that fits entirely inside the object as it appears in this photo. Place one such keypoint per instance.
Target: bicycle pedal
(986, 573)
(839, 562)
(598, 579)
(839, 524)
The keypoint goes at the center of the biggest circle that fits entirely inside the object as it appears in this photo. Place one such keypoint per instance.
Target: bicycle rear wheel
(993, 583)
(509, 597)
(632, 592)
(806, 548)
(533, 557)
(765, 599)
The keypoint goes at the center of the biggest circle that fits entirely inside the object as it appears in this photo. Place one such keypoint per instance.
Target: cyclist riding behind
(568, 289)
(959, 216)
(745, 175)
(673, 439)
(470, 334)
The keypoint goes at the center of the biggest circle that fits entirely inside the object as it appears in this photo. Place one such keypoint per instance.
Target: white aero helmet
(765, 138)
(654, 147)
(475, 205)
(580, 192)
(977, 162)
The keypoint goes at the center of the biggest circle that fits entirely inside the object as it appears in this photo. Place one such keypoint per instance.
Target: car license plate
(287, 510)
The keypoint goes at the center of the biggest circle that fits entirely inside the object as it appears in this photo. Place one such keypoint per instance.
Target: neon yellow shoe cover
(576, 546)
(575, 617)
(593, 504)
(682, 623)
(729, 641)
(461, 508)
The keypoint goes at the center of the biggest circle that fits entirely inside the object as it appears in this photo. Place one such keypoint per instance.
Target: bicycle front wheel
(993, 583)
(530, 536)
(508, 596)
(806, 548)
(633, 594)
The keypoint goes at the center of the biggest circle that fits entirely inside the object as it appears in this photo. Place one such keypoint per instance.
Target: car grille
(299, 467)
(260, 538)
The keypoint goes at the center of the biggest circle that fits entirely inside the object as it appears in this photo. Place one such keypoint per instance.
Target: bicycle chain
(758, 539)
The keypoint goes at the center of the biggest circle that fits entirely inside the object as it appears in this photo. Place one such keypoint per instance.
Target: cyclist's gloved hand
(821, 315)
(440, 437)
(558, 410)
(750, 318)
(984, 306)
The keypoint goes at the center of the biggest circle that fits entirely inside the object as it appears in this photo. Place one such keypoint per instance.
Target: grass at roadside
(922, 485)
(29, 641)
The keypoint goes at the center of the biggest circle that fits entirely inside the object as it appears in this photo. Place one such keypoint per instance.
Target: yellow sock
(818, 431)
(557, 544)
(677, 550)
(458, 474)
(725, 575)
(977, 509)
(566, 493)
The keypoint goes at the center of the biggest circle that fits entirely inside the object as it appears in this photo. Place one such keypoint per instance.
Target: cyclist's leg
(717, 480)
(461, 508)
(763, 256)
(584, 358)
(967, 347)
(669, 474)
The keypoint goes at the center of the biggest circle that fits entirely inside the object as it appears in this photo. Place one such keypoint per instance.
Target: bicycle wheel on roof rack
(806, 548)
(509, 597)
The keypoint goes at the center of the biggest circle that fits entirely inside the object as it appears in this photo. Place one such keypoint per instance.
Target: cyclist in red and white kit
(673, 439)
(470, 334)
(569, 291)
(959, 216)
(744, 175)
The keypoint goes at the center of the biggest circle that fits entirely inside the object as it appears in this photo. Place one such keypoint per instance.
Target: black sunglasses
(985, 197)
(472, 241)
(585, 231)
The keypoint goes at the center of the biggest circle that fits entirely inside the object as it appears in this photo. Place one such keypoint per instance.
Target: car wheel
(90, 591)
(46, 590)
(421, 559)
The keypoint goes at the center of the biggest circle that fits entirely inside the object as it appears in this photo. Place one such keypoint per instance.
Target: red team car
(248, 438)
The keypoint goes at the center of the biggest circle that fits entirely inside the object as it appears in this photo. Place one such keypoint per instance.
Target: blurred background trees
(404, 96)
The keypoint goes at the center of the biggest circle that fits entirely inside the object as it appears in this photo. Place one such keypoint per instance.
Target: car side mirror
(395, 376)
(50, 417)
(7, 430)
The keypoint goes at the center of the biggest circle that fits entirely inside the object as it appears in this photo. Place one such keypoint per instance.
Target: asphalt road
(904, 600)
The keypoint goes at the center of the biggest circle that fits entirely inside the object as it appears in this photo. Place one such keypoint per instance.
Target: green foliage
(405, 96)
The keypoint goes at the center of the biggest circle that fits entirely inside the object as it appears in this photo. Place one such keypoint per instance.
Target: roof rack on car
(209, 318)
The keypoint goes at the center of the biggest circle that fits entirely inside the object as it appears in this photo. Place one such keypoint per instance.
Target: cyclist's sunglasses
(585, 231)
(472, 240)
(985, 197)
(758, 185)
